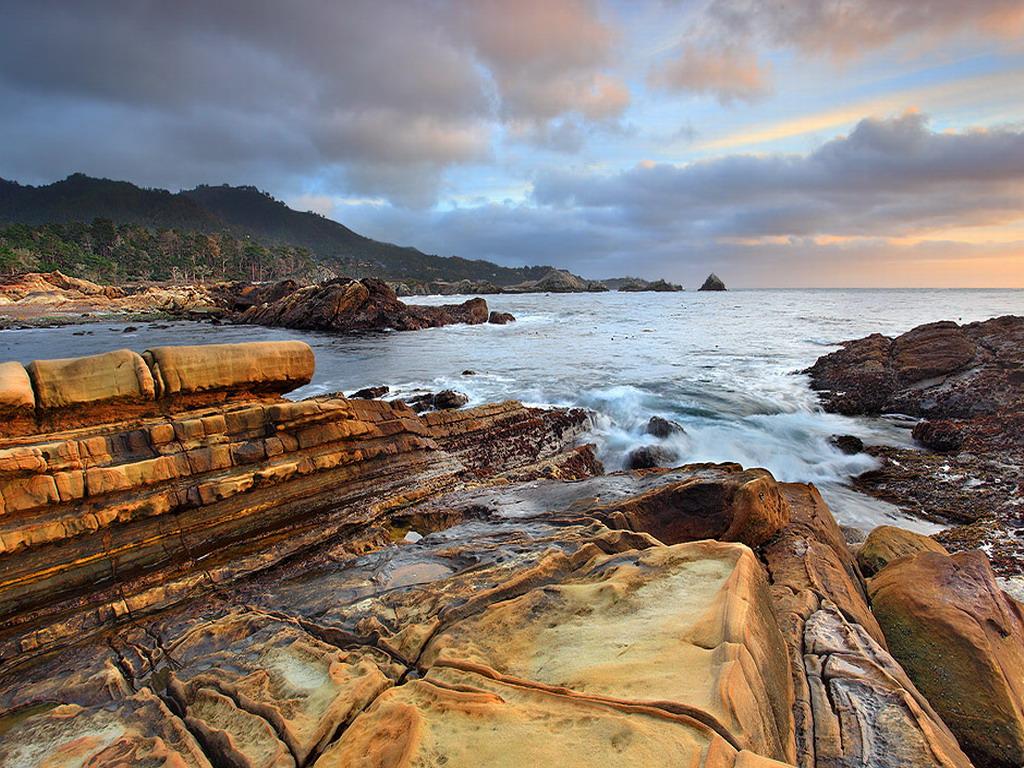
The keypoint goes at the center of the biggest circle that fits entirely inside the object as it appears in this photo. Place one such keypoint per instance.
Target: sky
(781, 143)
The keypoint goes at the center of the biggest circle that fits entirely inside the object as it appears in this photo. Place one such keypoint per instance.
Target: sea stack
(713, 283)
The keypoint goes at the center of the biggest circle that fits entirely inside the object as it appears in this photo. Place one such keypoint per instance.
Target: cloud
(384, 95)
(868, 208)
(722, 51)
(887, 178)
(728, 74)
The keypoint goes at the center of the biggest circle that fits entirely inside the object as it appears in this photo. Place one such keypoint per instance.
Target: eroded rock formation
(712, 283)
(225, 577)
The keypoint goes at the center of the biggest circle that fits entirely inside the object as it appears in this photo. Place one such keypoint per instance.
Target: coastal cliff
(200, 572)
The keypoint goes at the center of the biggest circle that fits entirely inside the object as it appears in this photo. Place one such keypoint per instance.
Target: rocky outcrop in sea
(712, 283)
(198, 571)
(353, 305)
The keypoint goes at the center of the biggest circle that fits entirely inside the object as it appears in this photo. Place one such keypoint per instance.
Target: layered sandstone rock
(354, 305)
(961, 639)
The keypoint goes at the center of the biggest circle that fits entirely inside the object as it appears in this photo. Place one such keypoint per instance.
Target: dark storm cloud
(384, 95)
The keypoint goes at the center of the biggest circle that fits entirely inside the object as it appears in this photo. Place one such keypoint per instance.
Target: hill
(242, 212)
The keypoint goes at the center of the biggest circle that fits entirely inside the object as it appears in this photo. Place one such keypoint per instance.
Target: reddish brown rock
(355, 305)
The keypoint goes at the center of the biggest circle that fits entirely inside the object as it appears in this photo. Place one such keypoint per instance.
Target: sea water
(726, 366)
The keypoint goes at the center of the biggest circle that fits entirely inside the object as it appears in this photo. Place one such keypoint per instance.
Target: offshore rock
(660, 285)
(501, 318)
(961, 640)
(370, 393)
(354, 305)
(712, 283)
(661, 427)
(650, 456)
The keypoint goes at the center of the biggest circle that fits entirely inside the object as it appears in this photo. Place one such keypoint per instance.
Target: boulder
(943, 435)
(447, 399)
(887, 543)
(662, 428)
(961, 640)
(258, 366)
(848, 444)
(649, 456)
(113, 377)
(370, 393)
(16, 396)
(712, 283)
(500, 318)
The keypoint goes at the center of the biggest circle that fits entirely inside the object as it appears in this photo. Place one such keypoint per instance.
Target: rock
(370, 393)
(447, 399)
(355, 305)
(17, 399)
(848, 444)
(712, 283)
(887, 543)
(850, 695)
(961, 640)
(632, 644)
(113, 376)
(559, 281)
(469, 372)
(500, 318)
(966, 381)
(129, 329)
(187, 490)
(252, 367)
(707, 501)
(473, 720)
(938, 370)
(943, 436)
(648, 456)
(637, 285)
(663, 428)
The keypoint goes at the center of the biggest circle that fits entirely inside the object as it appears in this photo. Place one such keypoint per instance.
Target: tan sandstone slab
(461, 719)
(687, 628)
(116, 376)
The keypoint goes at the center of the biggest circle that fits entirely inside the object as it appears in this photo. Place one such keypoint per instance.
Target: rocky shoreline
(965, 384)
(340, 305)
(199, 572)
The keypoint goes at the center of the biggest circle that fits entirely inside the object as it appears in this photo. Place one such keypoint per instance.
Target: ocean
(726, 366)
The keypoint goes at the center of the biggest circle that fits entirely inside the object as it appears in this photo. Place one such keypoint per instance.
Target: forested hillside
(243, 217)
